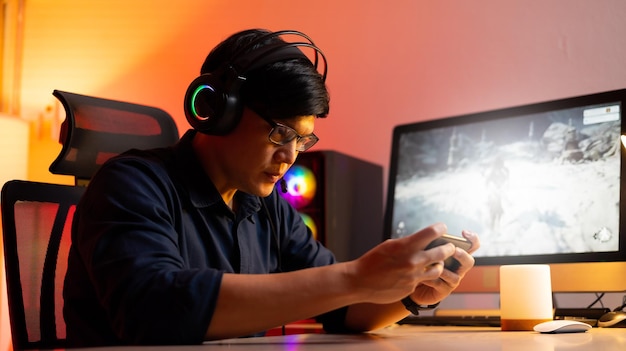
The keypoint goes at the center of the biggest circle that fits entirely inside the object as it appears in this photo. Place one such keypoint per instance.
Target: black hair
(279, 90)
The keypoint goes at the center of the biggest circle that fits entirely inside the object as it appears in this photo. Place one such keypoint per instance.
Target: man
(192, 242)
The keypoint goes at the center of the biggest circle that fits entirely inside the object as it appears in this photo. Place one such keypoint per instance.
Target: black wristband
(415, 308)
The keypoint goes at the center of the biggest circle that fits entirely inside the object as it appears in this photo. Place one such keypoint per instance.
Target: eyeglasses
(282, 135)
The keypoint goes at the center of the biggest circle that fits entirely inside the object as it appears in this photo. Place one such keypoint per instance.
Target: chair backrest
(96, 129)
(36, 221)
(37, 217)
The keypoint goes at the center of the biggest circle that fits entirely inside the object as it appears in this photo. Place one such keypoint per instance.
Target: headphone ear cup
(209, 108)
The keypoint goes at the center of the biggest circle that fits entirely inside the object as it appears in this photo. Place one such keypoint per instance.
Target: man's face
(250, 161)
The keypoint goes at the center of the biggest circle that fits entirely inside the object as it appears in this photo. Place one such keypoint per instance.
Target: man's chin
(264, 191)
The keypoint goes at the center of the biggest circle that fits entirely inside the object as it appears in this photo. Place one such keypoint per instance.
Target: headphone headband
(266, 51)
(275, 53)
(212, 102)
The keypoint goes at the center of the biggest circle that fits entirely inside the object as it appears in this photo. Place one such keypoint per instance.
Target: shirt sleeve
(301, 250)
(127, 234)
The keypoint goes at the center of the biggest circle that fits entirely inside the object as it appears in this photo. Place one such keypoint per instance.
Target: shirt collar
(201, 190)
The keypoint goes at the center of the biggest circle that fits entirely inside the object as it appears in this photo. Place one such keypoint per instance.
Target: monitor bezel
(520, 110)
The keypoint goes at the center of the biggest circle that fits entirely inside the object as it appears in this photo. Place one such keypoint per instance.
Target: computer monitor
(541, 183)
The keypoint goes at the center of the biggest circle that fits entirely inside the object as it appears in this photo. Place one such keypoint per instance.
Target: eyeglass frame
(297, 136)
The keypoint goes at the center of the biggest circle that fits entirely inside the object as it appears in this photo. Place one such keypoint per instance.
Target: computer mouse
(562, 326)
(615, 319)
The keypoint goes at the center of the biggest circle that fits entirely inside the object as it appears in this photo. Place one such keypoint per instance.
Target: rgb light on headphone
(193, 99)
(301, 186)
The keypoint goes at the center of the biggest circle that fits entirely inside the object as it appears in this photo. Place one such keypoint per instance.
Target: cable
(598, 299)
(275, 237)
(617, 309)
(276, 240)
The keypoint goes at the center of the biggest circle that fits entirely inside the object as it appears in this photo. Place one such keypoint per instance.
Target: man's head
(259, 70)
(255, 106)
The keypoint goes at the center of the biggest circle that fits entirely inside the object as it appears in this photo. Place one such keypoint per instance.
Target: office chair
(96, 129)
(37, 217)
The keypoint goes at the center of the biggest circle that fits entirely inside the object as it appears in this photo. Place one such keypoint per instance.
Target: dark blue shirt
(151, 239)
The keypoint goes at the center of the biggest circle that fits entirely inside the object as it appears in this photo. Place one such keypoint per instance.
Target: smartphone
(451, 263)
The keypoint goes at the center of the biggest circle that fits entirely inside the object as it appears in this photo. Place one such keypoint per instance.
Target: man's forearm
(368, 316)
(249, 304)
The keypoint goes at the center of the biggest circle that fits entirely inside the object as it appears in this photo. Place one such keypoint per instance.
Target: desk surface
(408, 337)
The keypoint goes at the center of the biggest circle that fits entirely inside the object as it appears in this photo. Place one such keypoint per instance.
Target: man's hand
(397, 267)
(434, 290)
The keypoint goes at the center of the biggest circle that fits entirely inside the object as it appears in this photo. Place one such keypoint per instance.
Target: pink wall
(390, 62)
(388, 65)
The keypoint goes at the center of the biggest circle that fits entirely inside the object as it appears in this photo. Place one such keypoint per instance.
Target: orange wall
(411, 61)
(390, 62)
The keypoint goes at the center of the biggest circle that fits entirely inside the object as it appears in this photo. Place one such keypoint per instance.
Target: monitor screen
(540, 183)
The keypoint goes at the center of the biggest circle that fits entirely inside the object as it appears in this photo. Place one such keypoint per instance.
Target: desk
(408, 337)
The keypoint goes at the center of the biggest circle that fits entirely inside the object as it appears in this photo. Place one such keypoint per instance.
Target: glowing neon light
(301, 186)
(193, 99)
(310, 223)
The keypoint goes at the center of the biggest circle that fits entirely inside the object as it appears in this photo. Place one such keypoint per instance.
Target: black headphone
(212, 102)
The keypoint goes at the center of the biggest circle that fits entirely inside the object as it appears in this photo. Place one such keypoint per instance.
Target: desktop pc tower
(339, 198)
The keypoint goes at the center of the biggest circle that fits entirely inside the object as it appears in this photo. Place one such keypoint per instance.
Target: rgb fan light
(309, 222)
(301, 185)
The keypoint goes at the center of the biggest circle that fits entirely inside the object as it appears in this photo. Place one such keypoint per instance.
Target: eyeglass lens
(282, 134)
